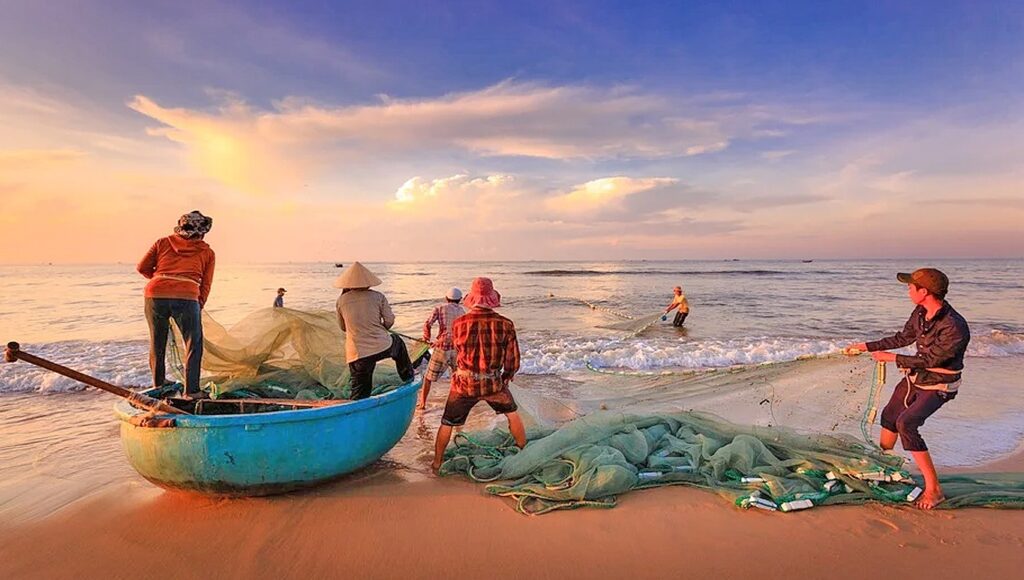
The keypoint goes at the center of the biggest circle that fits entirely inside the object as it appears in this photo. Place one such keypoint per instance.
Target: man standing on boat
(180, 272)
(443, 356)
(678, 301)
(365, 316)
(487, 356)
(932, 374)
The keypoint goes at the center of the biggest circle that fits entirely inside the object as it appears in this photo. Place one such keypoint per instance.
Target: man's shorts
(440, 360)
(456, 410)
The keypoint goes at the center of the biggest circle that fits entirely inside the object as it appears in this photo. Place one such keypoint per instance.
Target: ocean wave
(559, 355)
(568, 354)
(126, 362)
(123, 363)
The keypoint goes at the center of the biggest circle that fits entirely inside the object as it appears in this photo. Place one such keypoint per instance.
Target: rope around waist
(945, 387)
(467, 374)
(175, 277)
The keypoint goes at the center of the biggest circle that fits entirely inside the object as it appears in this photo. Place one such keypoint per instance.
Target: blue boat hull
(266, 453)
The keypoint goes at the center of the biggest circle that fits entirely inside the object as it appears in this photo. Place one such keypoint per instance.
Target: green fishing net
(283, 353)
(592, 460)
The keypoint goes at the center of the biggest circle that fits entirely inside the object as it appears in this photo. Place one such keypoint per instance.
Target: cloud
(777, 154)
(601, 194)
(237, 143)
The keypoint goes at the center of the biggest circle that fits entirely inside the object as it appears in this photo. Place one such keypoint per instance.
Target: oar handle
(14, 353)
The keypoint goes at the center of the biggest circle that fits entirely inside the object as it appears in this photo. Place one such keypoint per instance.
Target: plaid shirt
(443, 315)
(487, 352)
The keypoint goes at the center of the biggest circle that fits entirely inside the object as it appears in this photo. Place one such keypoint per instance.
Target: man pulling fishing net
(932, 374)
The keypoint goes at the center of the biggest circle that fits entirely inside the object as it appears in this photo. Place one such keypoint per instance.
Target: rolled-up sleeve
(207, 279)
(147, 265)
(341, 317)
(510, 362)
(386, 315)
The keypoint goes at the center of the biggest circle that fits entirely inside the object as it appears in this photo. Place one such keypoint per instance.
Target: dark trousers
(187, 315)
(907, 410)
(680, 318)
(361, 370)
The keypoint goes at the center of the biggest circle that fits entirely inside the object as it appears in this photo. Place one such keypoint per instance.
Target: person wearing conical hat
(487, 356)
(180, 272)
(365, 316)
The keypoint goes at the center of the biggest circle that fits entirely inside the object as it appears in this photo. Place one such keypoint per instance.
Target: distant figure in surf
(932, 374)
(279, 300)
(180, 272)
(678, 301)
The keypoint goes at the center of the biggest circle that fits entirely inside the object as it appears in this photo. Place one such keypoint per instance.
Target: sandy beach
(381, 527)
(82, 512)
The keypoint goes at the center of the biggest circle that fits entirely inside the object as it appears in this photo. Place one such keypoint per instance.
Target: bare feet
(929, 500)
(436, 467)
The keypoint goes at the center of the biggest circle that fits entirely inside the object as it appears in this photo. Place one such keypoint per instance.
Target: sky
(553, 130)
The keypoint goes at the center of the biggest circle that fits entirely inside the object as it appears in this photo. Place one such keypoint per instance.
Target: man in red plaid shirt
(487, 359)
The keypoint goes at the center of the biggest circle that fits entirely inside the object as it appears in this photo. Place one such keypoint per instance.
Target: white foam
(564, 354)
(119, 362)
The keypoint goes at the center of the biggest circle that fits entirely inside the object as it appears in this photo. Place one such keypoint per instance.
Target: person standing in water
(443, 356)
(933, 374)
(279, 300)
(678, 301)
(365, 317)
(180, 272)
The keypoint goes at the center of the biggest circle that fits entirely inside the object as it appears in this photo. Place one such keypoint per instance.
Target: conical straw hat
(356, 276)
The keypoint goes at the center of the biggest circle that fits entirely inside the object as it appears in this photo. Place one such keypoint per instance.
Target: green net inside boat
(592, 460)
(283, 353)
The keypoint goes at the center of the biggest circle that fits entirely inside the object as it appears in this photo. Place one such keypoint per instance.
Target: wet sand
(70, 506)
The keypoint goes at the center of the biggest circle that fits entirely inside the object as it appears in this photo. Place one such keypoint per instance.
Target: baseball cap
(454, 294)
(928, 278)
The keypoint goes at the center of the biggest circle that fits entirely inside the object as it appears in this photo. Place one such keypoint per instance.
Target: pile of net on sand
(592, 460)
(283, 353)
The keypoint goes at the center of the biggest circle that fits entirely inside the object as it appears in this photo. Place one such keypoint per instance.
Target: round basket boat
(264, 453)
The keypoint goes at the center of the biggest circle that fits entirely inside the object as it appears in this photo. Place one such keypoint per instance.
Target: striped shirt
(487, 352)
(443, 315)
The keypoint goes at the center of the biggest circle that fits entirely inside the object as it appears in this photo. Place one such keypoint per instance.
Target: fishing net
(592, 460)
(634, 326)
(283, 353)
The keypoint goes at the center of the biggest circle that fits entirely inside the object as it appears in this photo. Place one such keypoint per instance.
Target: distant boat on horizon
(339, 265)
(807, 261)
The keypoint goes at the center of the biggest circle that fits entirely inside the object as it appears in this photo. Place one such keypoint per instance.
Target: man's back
(365, 317)
(444, 315)
(487, 351)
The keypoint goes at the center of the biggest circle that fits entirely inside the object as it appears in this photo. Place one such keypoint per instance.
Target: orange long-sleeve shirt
(178, 268)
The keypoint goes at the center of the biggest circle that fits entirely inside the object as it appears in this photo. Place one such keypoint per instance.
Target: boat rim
(125, 411)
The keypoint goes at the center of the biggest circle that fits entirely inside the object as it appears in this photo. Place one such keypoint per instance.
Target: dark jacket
(941, 343)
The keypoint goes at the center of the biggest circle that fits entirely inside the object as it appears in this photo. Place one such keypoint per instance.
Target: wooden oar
(14, 353)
